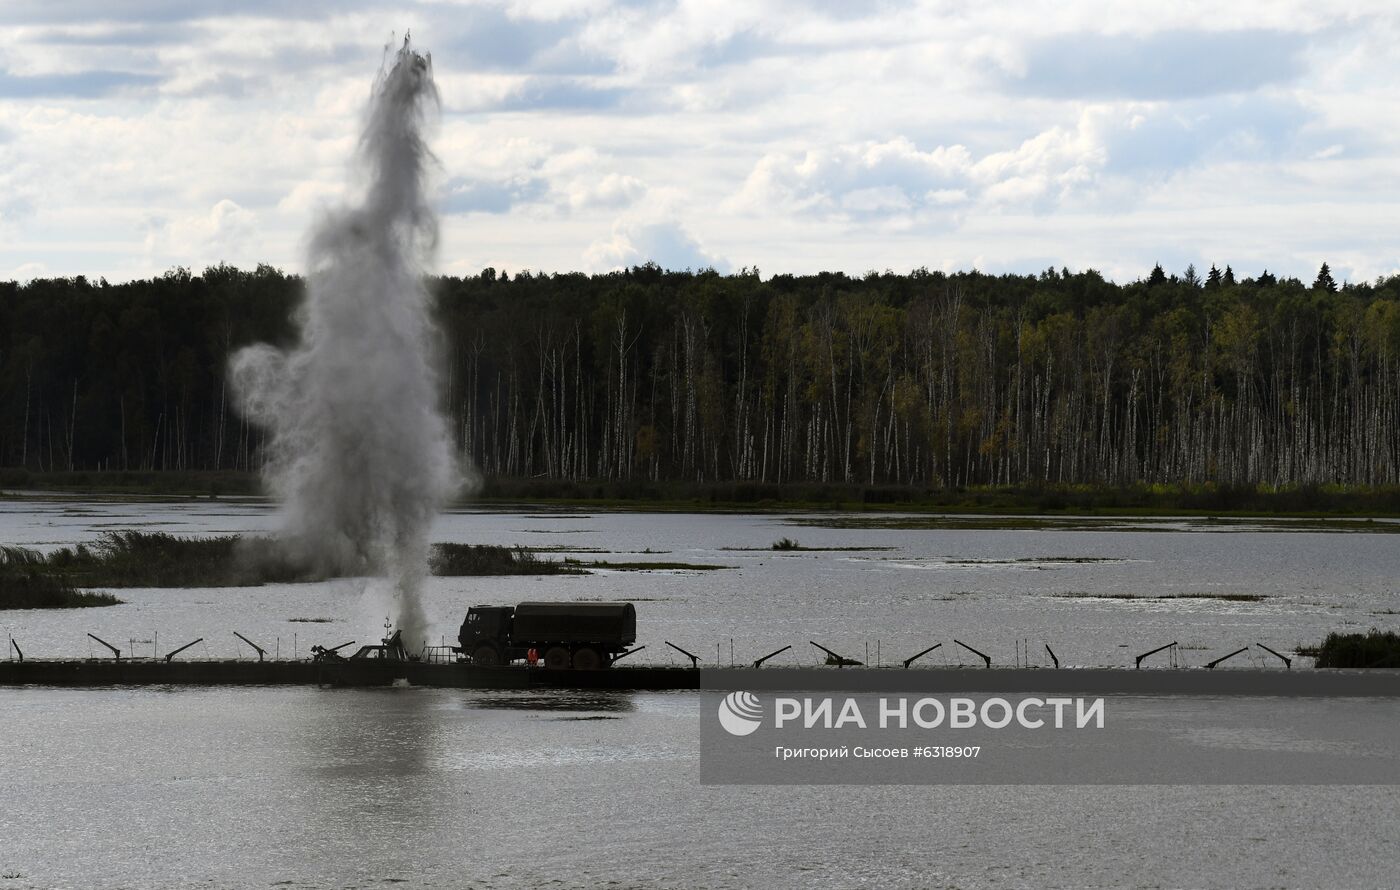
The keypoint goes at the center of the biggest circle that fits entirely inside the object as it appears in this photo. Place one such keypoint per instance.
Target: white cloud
(897, 179)
(666, 243)
(648, 44)
(1110, 154)
(540, 178)
(25, 272)
(613, 190)
(226, 233)
(312, 196)
(550, 10)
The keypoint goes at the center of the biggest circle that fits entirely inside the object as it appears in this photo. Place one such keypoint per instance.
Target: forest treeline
(922, 379)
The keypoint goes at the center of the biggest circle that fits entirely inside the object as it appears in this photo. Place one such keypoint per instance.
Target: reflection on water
(548, 700)
(355, 788)
(387, 733)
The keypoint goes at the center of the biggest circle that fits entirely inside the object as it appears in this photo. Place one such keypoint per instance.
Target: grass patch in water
(972, 523)
(626, 599)
(1375, 649)
(787, 544)
(1125, 523)
(1034, 560)
(642, 566)
(491, 559)
(158, 559)
(1227, 597)
(26, 583)
(1101, 596)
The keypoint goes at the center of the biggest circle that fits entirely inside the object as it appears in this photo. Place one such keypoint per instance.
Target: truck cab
(485, 635)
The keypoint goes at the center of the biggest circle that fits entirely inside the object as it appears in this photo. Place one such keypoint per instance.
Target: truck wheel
(587, 659)
(557, 658)
(486, 656)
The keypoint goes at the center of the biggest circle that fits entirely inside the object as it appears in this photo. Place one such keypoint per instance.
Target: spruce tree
(1325, 281)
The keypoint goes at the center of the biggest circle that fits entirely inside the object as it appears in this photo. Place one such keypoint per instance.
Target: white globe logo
(740, 713)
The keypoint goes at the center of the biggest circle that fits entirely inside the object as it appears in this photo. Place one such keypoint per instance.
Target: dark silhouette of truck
(582, 636)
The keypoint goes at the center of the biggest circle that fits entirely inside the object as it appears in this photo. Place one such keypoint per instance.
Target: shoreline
(1132, 501)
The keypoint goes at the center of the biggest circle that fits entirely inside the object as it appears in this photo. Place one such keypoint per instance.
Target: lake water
(359, 788)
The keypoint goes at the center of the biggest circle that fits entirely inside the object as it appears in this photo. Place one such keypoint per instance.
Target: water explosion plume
(358, 451)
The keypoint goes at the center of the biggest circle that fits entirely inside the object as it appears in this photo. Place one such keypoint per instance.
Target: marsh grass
(643, 566)
(1102, 596)
(158, 559)
(1375, 649)
(788, 544)
(1227, 597)
(26, 583)
(490, 559)
(1108, 522)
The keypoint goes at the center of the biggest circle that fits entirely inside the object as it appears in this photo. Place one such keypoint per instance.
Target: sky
(141, 135)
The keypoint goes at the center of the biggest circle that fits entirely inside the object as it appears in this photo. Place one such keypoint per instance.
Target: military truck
(582, 636)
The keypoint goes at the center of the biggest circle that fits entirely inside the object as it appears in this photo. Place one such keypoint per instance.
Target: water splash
(358, 452)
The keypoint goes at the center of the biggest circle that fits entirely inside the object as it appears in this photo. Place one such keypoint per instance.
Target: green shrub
(26, 582)
(1377, 649)
(157, 559)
